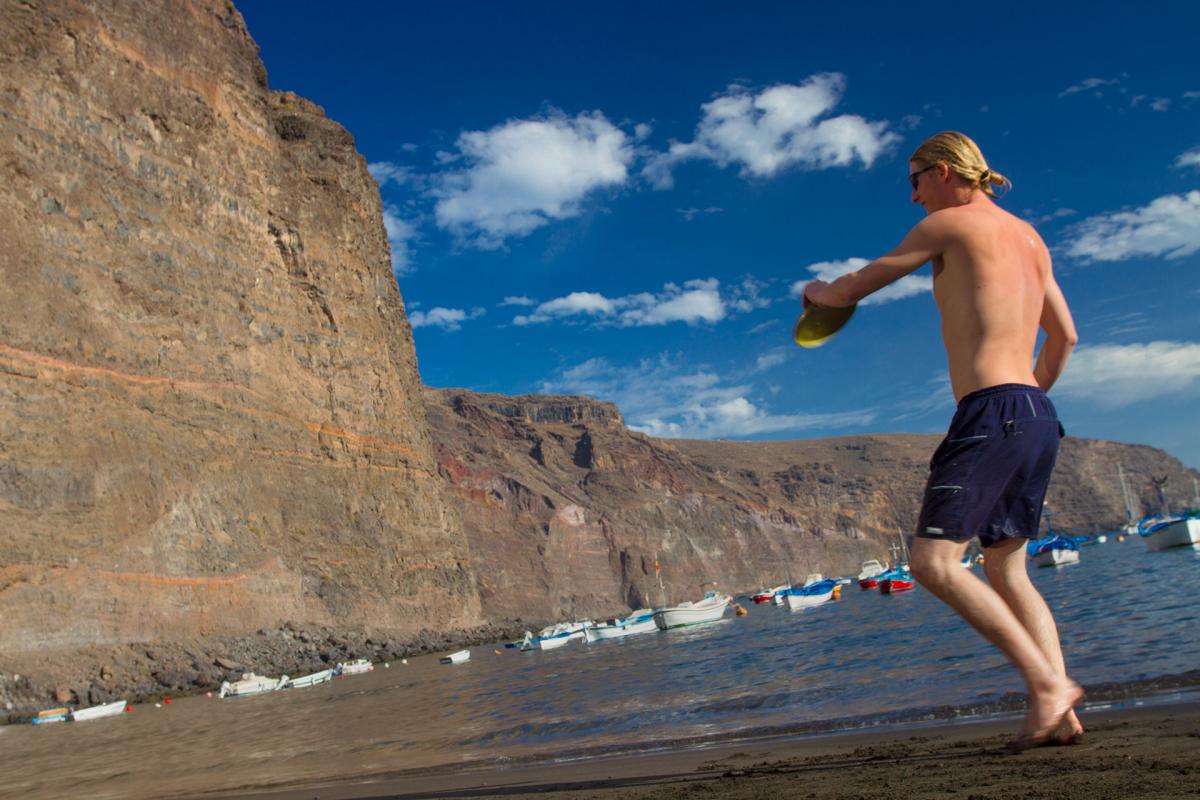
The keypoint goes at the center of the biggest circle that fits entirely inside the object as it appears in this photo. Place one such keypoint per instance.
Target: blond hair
(962, 157)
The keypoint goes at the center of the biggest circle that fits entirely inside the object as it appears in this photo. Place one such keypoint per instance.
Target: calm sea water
(1126, 615)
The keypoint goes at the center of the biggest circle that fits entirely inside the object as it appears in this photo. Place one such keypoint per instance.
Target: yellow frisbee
(818, 324)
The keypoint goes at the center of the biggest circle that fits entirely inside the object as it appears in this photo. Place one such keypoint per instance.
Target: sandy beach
(1147, 752)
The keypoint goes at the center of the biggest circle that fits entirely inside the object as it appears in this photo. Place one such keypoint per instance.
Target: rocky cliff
(215, 451)
(210, 413)
(566, 509)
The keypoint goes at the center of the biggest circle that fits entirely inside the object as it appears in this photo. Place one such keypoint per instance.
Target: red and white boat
(868, 576)
(896, 580)
(767, 595)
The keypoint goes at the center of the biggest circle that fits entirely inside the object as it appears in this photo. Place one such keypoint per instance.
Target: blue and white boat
(1053, 551)
(809, 595)
(640, 621)
(1172, 531)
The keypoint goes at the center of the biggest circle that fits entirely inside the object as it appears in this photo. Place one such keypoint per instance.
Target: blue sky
(618, 199)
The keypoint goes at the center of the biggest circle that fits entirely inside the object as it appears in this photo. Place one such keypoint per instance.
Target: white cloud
(1112, 376)
(1058, 213)
(1169, 226)
(1160, 104)
(385, 172)
(771, 358)
(695, 302)
(830, 271)
(781, 127)
(525, 173)
(1188, 158)
(518, 300)
(690, 214)
(449, 319)
(663, 397)
(401, 234)
(1087, 85)
(746, 297)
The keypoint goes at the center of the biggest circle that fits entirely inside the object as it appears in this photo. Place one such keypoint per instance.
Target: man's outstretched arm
(923, 243)
(1060, 336)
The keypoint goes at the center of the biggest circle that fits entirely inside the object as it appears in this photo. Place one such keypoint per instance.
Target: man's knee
(926, 568)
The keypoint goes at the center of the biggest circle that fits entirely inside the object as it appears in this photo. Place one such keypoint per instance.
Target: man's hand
(816, 293)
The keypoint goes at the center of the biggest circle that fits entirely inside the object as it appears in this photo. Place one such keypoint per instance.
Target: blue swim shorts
(988, 477)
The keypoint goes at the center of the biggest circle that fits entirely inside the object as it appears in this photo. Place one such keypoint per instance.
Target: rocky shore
(155, 670)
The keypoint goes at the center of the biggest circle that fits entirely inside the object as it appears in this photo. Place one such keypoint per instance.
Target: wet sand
(1147, 752)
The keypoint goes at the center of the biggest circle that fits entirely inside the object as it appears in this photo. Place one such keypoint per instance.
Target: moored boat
(871, 569)
(896, 580)
(767, 595)
(554, 636)
(640, 621)
(355, 667)
(1172, 532)
(323, 676)
(251, 684)
(811, 594)
(708, 609)
(1053, 551)
(96, 712)
(456, 658)
(50, 715)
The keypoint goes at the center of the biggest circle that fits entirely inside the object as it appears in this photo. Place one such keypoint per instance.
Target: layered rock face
(566, 509)
(210, 413)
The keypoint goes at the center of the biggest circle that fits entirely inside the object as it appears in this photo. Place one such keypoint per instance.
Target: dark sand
(1149, 752)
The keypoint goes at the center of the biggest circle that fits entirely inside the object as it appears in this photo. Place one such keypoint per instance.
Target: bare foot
(1050, 711)
(1069, 731)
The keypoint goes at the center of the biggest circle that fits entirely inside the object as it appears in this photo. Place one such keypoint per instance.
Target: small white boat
(1053, 551)
(456, 658)
(50, 715)
(640, 621)
(95, 712)
(1182, 532)
(251, 684)
(356, 667)
(324, 676)
(1056, 558)
(709, 609)
(554, 636)
(870, 569)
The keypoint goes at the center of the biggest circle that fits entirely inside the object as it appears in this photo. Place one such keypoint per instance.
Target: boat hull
(1180, 533)
(600, 632)
(868, 583)
(679, 616)
(1056, 557)
(324, 676)
(795, 601)
(96, 712)
(895, 586)
(456, 658)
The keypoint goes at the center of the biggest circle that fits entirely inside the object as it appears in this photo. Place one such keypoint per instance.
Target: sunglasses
(912, 178)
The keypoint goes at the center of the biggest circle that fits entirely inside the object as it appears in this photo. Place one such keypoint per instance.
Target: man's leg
(935, 564)
(1007, 571)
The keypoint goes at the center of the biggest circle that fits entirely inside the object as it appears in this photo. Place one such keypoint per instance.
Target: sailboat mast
(1125, 493)
(658, 572)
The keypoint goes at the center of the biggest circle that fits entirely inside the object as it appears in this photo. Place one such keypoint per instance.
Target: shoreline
(1138, 751)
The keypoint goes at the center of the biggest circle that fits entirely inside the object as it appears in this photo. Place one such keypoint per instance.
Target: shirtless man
(994, 289)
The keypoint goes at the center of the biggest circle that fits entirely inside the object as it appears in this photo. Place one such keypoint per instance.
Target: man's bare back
(993, 284)
(990, 285)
